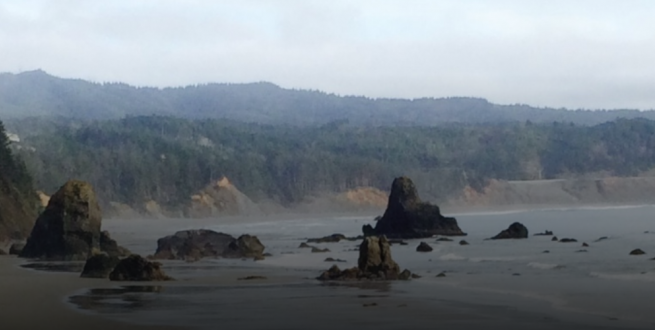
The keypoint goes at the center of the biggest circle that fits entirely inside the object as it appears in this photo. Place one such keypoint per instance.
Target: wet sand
(31, 299)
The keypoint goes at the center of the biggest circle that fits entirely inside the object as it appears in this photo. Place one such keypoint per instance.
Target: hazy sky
(577, 54)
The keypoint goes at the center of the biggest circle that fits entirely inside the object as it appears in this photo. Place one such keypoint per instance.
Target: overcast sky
(575, 54)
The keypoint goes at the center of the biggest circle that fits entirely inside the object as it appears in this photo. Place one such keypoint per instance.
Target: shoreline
(34, 299)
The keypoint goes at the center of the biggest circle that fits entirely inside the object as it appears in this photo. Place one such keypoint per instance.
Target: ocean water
(534, 279)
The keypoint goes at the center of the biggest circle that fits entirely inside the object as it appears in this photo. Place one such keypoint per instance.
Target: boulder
(463, 242)
(444, 239)
(545, 233)
(568, 240)
(16, 248)
(374, 263)
(136, 268)
(515, 230)
(334, 238)
(637, 252)
(99, 266)
(195, 244)
(69, 228)
(407, 216)
(554, 239)
(304, 245)
(584, 244)
(319, 250)
(423, 247)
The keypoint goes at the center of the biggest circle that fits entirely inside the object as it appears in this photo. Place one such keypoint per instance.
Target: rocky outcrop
(334, 238)
(374, 263)
(407, 216)
(196, 244)
(99, 266)
(16, 248)
(423, 247)
(545, 233)
(515, 230)
(69, 228)
(221, 198)
(136, 268)
(637, 252)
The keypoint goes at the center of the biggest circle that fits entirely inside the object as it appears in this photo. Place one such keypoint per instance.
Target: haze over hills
(36, 93)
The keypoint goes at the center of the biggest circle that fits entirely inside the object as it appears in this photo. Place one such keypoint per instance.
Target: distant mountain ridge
(36, 93)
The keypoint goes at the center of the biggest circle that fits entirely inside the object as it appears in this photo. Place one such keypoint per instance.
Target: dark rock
(463, 242)
(545, 233)
(583, 250)
(444, 239)
(252, 277)
(601, 239)
(334, 238)
(585, 244)
(110, 247)
(69, 228)
(330, 259)
(318, 250)
(516, 274)
(16, 248)
(515, 230)
(416, 275)
(545, 251)
(99, 266)
(197, 244)
(442, 274)
(554, 239)
(304, 245)
(3, 253)
(637, 252)
(423, 247)
(568, 240)
(407, 216)
(405, 275)
(374, 263)
(136, 268)
(245, 246)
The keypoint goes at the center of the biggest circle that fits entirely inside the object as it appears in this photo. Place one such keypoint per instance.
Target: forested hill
(166, 159)
(36, 93)
(18, 202)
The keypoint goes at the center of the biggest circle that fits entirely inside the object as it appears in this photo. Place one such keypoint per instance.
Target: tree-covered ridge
(168, 159)
(36, 93)
(18, 201)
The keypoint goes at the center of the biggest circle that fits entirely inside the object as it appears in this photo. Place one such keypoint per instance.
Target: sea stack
(69, 228)
(409, 217)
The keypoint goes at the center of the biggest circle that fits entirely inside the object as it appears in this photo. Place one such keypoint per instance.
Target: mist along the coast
(327, 164)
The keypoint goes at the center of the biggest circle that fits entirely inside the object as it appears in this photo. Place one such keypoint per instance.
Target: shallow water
(601, 281)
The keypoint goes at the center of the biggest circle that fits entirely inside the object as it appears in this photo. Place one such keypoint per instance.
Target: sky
(589, 54)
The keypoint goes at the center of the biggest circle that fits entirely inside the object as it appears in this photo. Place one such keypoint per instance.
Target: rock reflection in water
(117, 300)
(68, 267)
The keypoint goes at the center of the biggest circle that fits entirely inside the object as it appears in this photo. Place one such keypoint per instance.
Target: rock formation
(407, 216)
(196, 244)
(99, 266)
(423, 247)
(374, 263)
(69, 228)
(515, 230)
(136, 268)
(545, 233)
(637, 252)
(16, 248)
(221, 198)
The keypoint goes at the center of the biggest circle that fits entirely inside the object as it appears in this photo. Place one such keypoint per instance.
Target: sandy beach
(31, 299)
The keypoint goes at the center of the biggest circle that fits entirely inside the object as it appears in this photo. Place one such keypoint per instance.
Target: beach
(510, 284)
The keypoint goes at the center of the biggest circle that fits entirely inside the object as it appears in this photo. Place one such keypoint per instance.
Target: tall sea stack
(409, 217)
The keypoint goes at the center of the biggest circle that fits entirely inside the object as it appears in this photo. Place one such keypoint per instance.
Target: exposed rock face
(515, 230)
(423, 247)
(374, 263)
(99, 266)
(69, 228)
(16, 248)
(408, 217)
(196, 244)
(221, 198)
(136, 268)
